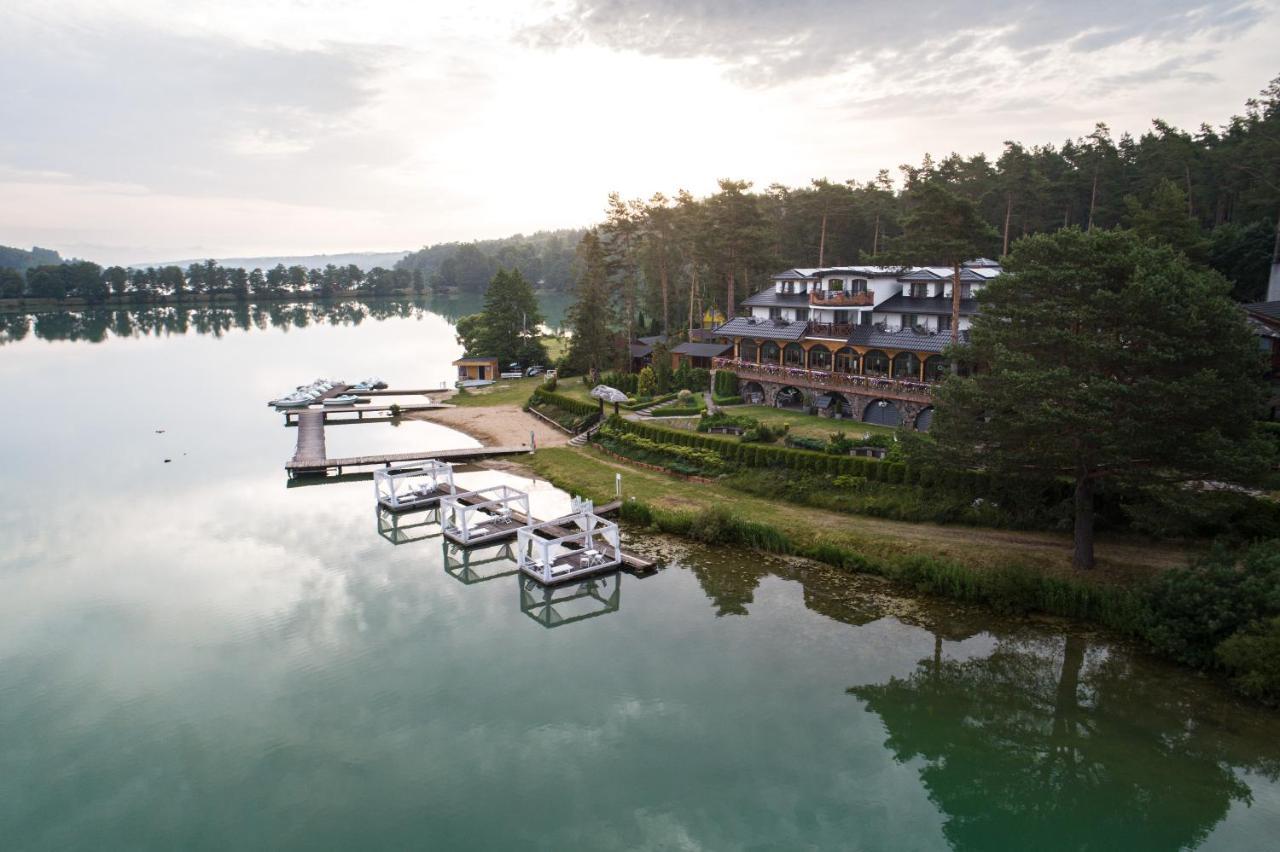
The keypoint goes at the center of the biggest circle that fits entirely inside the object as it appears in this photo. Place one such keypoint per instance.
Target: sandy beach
(496, 425)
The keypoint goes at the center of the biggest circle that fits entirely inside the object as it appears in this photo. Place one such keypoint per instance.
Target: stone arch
(875, 363)
(752, 393)
(770, 353)
(793, 355)
(789, 396)
(842, 404)
(924, 420)
(882, 412)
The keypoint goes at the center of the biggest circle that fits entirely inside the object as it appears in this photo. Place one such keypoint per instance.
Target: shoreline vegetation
(1142, 589)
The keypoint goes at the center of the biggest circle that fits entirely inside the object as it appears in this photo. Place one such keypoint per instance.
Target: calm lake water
(195, 656)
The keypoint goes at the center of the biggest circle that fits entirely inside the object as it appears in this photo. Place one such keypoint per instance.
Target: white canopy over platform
(487, 514)
(413, 486)
(569, 547)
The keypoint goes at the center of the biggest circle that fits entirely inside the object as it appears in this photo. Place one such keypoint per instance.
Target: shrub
(646, 382)
(1253, 660)
(839, 444)
(685, 397)
(1192, 610)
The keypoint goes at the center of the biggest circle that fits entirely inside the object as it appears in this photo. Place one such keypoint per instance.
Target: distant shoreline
(129, 301)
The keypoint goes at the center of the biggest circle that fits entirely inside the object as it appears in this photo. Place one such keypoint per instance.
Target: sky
(144, 130)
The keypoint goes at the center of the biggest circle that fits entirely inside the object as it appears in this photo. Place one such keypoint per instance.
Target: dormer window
(919, 291)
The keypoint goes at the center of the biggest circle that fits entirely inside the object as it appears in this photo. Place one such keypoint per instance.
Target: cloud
(767, 42)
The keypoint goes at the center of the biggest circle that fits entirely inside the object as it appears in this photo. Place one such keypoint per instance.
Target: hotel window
(858, 285)
(835, 285)
(944, 322)
(910, 320)
(775, 313)
(802, 314)
(966, 291)
(919, 291)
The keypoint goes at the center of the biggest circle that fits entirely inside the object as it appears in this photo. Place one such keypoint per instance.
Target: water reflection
(568, 603)
(473, 565)
(405, 527)
(1049, 743)
(95, 325)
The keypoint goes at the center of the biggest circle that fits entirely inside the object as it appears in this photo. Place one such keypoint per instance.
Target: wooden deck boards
(310, 449)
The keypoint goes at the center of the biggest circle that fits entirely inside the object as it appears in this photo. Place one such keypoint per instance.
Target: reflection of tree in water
(729, 583)
(1046, 745)
(97, 325)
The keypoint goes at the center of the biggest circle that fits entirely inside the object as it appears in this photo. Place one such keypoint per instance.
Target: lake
(194, 655)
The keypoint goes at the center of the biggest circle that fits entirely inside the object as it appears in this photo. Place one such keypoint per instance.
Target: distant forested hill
(22, 260)
(545, 258)
(365, 260)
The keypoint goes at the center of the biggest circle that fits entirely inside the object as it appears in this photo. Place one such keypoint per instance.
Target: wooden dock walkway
(324, 465)
(310, 449)
(291, 415)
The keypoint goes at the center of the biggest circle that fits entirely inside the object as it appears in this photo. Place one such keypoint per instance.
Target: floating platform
(556, 606)
(569, 548)
(405, 527)
(485, 515)
(417, 486)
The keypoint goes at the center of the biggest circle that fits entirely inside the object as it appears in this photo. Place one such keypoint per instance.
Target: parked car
(535, 371)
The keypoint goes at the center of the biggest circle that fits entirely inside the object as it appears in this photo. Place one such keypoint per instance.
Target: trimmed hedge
(726, 400)
(565, 403)
(632, 405)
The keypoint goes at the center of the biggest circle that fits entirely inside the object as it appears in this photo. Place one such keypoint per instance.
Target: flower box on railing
(823, 378)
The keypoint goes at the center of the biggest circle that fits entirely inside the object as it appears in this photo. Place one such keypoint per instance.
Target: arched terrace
(820, 358)
(906, 365)
(875, 363)
(847, 361)
(793, 355)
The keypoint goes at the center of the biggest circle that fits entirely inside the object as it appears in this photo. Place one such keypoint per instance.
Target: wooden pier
(310, 450)
(291, 415)
(321, 465)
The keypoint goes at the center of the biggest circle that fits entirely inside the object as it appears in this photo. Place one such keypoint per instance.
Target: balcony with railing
(832, 330)
(841, 299)
(882, 386)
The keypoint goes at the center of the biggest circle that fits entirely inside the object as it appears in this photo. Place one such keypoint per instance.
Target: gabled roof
(793, 275)
(763, 328)
(703, 350)
(640, 350)
(907, 338)
(769, 299)
(473, 359)
(703, 335)
(945, 273)
(1266, 311)
(864, 271)
(931, 305)
(653, 340)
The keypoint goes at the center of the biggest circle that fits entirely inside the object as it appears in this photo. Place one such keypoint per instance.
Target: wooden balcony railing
(909, 389)
(831, 329)
(841, 299)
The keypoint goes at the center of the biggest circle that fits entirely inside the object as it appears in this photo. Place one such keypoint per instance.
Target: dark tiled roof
(473, 360)
(1263, 329)
(939, 273)
(640, 350)
(932, 305)
(869, 335)
(654, 340)
(703, 350)
(763, 328)
(1266, 310)
(769, 298)
(703, 335)
(793, 275)
(863, 271)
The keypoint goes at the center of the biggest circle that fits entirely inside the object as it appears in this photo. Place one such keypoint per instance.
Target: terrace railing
(840, 299)
(913, 390)
(831, 329)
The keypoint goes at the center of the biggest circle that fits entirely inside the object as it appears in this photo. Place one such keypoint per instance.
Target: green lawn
(557, 348)
(505, 392)
(806, 425)
(591, 474)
